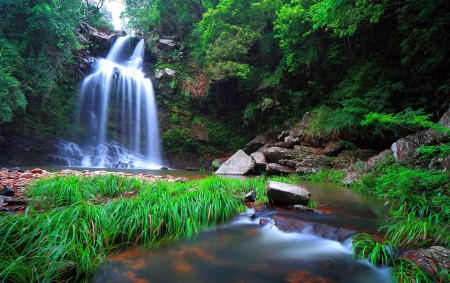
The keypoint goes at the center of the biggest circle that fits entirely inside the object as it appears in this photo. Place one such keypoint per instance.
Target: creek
(243, 251)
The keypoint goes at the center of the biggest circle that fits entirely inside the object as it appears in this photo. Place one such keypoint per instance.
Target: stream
(243, 251)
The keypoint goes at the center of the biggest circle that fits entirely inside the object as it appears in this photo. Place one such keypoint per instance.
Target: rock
(300, 207)
(333, 148)
(261, 140)
(275, 154)
(7, 191)
(288, 144)
(238, 164)
(159, 73)
(260, 161)
(405, 148)
(9, 200)
(262, 211)
(163, 168)
(427, 258)
(16, 169)
(289, 163)
(37, 171)
(169, 72)
(315, 161)
(384, 158)
(250, 197)
(351, 177)
(277, 169)
(167, 45)
(27, 175)
(265, 221)
(283, 194)
(290, 224)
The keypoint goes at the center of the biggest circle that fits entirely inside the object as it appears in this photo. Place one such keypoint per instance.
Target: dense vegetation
(247, 65)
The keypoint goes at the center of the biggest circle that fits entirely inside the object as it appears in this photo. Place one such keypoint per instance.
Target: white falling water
(119, 114)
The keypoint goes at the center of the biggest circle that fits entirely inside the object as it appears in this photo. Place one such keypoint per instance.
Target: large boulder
(405, 148)
(238, 164)
(284, 194)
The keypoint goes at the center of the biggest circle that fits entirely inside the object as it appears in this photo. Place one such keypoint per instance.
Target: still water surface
(243, 251)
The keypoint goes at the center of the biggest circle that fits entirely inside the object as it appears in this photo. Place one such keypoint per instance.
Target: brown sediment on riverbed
(13, 183)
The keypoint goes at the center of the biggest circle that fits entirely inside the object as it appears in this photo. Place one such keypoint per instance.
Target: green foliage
(407, 271)
(365, 247)
(411, 120)
(419, 200)
(225, 137)
(328, 175)
(225, 36)
(11, 95)
(176, 140)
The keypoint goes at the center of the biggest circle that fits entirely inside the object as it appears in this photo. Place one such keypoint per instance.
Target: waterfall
(118, 113)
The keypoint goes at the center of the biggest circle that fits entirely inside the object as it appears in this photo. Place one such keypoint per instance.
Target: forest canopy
(263, 61)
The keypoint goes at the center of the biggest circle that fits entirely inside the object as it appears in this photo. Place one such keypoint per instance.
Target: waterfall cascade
(118, 113)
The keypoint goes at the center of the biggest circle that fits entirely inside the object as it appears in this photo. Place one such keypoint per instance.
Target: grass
(365, 247)
(74, 221)
(328, 175)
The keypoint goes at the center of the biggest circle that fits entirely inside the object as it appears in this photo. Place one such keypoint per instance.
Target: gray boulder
(238, 164)
(260, 161)
(283, 194)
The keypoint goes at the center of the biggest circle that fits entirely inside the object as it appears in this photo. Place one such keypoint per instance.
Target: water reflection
(241, 251)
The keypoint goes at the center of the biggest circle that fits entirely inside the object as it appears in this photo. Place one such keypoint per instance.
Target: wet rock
(290, 224)
(16, 169)
(262, 211)
(285, 194)
(3, 209)
(265, 221)
(37, 171)
(299, 207)
(238, 164)
(250, 197)
(431, 260)
(277, 169)
(7, 191)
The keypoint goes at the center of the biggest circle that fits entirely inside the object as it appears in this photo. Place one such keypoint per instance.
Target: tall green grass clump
(420, 206)
(70, 234)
